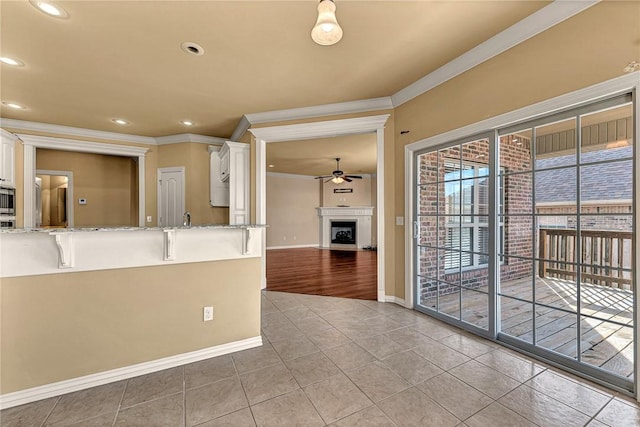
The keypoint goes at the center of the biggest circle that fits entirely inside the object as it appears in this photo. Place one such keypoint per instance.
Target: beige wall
(195, 158)
(291, 210)
(589, 48)
(361, 195)
(107, 182)
(63, 326)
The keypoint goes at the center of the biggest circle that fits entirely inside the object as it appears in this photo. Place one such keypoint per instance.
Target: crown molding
(325, 129)
(189, 137)
(349, 107)
(242, 127)
(8, 135)
(534, 24)
(64, 144)
(78, 132)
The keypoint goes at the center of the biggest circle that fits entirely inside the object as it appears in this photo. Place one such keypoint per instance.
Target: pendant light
(327, 31)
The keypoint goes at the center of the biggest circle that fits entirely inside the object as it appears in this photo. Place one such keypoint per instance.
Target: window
(467, 214)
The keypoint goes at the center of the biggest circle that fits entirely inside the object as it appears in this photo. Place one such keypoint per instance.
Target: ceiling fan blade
(321, 177)
(328, 180)
(346, 178)
(354, 176)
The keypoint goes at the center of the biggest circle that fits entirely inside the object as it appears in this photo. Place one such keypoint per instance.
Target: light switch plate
(399, 220)
(82, 201)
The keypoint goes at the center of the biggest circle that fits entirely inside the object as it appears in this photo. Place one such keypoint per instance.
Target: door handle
(416, 229)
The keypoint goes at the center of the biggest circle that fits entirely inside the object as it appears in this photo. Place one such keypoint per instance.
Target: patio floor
(604, 344)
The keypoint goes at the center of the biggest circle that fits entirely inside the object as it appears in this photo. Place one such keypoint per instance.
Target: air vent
(192, 48)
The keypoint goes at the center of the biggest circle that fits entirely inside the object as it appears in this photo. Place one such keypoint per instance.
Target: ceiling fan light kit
(327, 31)
(338, 176)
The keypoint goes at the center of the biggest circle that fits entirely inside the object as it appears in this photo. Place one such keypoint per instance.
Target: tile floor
(339, 362)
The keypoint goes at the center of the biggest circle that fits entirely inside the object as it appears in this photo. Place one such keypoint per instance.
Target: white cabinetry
(7, 160)
(229, 180)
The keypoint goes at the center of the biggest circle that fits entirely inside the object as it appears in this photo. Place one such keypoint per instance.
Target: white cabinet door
(7, 162)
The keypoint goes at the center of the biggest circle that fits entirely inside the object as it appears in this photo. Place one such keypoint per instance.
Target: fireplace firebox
(343, 232)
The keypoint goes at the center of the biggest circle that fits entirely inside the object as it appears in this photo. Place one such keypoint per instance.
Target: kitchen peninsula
(88, 306)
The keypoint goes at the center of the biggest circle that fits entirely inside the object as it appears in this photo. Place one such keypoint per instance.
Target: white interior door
(171, 189)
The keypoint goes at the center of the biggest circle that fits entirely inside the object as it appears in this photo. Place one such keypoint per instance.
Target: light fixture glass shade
(327, 31)
(337, 180)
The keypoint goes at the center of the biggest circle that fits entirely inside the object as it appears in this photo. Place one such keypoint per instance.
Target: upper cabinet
(229, 180)
(7, 160)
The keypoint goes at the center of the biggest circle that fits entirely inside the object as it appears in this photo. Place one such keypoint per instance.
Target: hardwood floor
(346, 274)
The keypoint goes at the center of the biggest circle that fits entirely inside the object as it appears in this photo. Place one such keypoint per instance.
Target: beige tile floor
(339, 362)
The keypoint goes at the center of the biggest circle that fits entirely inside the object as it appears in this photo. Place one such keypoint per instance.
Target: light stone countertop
(107, 228)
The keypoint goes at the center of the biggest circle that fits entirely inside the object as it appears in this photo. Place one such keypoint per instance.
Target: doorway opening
(305, 131)
(54, 198)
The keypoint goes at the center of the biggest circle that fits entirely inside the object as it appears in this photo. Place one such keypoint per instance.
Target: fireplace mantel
(360, 214)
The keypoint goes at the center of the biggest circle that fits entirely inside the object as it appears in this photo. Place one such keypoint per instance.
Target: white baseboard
(396, 300)
(315, 245)
(67, 386)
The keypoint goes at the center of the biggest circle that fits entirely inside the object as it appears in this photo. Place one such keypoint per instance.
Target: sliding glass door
(526, 234)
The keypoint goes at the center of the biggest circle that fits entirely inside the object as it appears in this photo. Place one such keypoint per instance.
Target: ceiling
(122, 59)
(317, 157)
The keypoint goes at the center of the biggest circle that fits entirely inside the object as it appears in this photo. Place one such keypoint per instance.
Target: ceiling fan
(338, 176)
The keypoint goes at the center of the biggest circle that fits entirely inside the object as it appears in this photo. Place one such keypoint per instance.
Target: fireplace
(358, 220)
(343, 232)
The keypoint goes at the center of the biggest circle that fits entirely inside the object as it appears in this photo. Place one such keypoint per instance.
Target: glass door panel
(453, 231)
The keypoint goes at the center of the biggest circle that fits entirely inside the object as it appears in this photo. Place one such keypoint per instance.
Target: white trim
(302, 131)
(9, 135)
(312, 245)
(31, 142)
(320, 129)
(81, 383)
(70, 199)
(53, 143)
(73, 131)
(536, 23)
(189, 137)
(241, 128)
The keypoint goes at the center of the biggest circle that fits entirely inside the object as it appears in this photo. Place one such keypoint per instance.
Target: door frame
(323, 129)
(179, 169)
(617, 86)
(69, 175)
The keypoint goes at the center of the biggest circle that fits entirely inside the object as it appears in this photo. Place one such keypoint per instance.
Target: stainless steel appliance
(7, 201)
(7, 222)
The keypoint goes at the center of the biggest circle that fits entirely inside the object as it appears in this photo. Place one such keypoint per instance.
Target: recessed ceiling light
(50, 8)
(11, 61)
(192, 48)
(187, 122)
(120, 121)
(272, 166)
(13, 105)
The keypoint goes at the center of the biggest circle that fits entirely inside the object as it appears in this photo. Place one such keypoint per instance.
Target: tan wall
(589, 48)
(195, 158)
(361, 195)
(107, 182)
(291, 210)
(62, 326)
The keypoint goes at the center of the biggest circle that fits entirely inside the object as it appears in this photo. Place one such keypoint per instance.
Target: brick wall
(514, 157)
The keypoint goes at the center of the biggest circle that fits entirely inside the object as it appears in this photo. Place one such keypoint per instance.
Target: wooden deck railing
(605, 256)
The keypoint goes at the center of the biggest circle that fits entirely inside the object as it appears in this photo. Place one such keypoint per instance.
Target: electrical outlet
(207, 314)
(149, 219)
